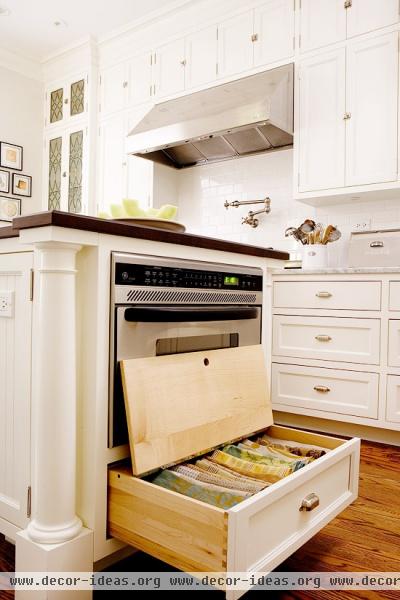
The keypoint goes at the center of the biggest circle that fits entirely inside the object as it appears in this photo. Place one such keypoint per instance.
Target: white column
(54, 396)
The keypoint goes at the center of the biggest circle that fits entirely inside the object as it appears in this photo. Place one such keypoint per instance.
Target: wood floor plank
(365, 537)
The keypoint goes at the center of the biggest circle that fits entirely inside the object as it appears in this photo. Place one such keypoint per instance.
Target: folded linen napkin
(211, 467)
(211, 494)
(271, 473)
(298, 448)
(221, 480)
(255, 456)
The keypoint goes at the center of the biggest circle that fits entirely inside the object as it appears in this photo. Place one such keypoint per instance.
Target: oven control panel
(162, 276)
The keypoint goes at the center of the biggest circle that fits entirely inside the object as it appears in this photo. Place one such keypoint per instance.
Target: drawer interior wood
(186, 533)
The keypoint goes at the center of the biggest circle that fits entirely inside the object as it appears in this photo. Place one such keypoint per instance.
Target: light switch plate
(6, 304)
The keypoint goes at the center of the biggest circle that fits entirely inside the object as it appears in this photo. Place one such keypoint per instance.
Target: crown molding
(20, 64)
(144, 21)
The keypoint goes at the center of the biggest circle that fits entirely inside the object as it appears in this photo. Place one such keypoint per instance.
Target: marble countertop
(337, 271)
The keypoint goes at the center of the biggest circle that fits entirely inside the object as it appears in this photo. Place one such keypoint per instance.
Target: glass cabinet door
(75, 172)
(56, 105)
(77, 98)
(54, 182)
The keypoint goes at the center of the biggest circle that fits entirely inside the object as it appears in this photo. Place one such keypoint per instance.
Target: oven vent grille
(189, 297)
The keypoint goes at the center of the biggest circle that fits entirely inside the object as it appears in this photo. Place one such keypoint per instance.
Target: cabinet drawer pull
(323, 295)
(323, 338)
(322, 388)
(309, 502)
(376, 244)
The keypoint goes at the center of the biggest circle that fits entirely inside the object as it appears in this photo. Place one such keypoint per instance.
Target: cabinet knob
(125, 84)
(254, 37)
(348, 4)
(66, 101)
(346, 116)
(323, 295)
(309, 502)
(322, 388)
(183, 62)
(64, 173)
(323, 338)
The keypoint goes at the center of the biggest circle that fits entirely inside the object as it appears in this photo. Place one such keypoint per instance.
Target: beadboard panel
(15, 376)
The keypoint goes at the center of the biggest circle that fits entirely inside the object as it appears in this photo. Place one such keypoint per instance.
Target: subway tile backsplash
(202, 192)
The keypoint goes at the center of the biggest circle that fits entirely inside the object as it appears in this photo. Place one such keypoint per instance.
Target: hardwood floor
(365, 537)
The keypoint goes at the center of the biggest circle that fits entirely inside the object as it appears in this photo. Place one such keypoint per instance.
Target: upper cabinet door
(201, 57)
(113, 89)
(235, 45)
(170, 68)
(66, 101)
(322, 22)
(274, 31)
(321, 124)
(140, 79)
(368, 15)
(372, 97)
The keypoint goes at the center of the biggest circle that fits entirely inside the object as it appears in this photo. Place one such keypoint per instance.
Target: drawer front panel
(394, 343)
(327, 338)
(336, 295)
(327, 390)
(393, 399)
(394, 295)
(280, 520)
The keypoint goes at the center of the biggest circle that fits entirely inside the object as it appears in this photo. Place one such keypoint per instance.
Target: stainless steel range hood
(249, 116)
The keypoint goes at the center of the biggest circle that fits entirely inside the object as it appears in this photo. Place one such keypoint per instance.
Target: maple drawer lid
(180, 405)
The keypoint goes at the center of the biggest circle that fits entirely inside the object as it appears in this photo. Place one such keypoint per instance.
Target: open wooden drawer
(219, 396)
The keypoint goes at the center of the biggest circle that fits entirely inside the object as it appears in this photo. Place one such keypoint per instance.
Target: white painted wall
(203, 190)
(21, 123)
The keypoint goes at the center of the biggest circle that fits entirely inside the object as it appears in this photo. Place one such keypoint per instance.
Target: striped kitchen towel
(271, 473)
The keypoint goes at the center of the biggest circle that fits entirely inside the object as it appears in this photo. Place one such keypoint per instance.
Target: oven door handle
(181, 314)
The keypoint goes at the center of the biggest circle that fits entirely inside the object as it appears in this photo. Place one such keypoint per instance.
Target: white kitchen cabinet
(15, 388)
(321, 124)
(235, 44)
(66, 169)
(322, 22)
(201, 57)
(170, 68)
(368, 15)
(140, 79)
(274, 28)
(394, 295)
(393, 399)
(113, 89)
(67, 101)
(111, 161)
(372, 108)
(326, 390)
(394, 343)
(328, 338)
(120, 175)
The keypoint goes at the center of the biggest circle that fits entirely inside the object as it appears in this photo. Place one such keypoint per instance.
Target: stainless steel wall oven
(167, 306)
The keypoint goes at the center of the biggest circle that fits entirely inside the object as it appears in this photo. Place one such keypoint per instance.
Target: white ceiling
(29, 31)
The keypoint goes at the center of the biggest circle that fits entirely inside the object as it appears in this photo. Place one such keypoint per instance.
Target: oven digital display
(228, 280)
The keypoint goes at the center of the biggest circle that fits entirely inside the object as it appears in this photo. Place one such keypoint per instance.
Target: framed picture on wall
(9, 208)
(4, 182)
(21, 185)
(11, 156)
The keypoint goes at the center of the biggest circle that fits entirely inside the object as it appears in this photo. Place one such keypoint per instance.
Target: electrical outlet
(363, 225)
(6, 304)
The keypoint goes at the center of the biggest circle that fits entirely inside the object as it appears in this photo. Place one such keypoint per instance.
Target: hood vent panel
(248, 116)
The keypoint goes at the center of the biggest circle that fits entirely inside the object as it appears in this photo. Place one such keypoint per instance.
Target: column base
(74, 555)
(48, 535)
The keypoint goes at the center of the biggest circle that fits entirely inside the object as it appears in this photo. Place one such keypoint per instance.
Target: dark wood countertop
(72, 221)
(8, 232)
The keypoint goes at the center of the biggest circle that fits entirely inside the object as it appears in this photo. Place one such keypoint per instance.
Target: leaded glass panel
(77, 97)
(75, 172)
(55, 150)
(56, 105)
